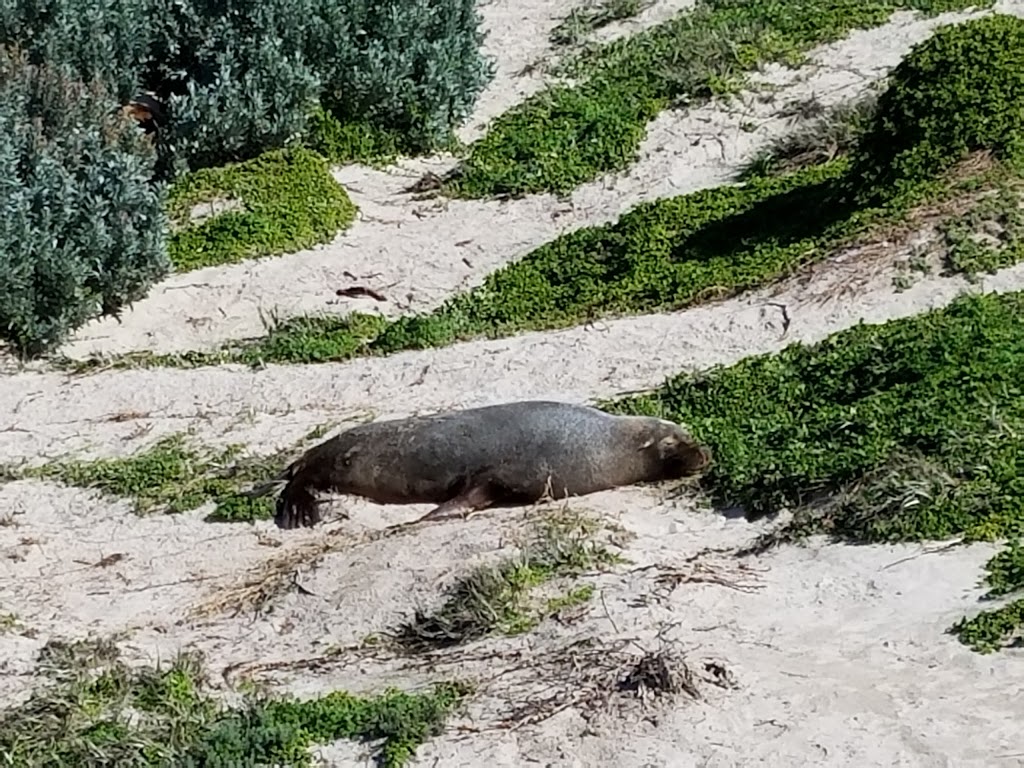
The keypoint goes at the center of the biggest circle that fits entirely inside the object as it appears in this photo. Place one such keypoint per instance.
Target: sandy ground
(839, 654)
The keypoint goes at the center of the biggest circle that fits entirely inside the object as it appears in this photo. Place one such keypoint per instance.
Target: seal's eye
(346, 460)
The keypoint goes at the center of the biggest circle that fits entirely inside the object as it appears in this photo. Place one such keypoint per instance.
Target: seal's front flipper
(473, 499)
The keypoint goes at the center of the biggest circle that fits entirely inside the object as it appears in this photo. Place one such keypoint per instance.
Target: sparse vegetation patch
(588, 18)
(94, 709)
(496, 598)
(175, 475)
(568, 135)
(822, 135)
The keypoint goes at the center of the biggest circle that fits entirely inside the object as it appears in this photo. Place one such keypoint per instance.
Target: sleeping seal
(497, 455)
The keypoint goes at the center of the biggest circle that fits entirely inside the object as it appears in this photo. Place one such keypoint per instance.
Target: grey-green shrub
(409, 66)
(249, 87)
(81, 225)
(108, 40)
(241, 77)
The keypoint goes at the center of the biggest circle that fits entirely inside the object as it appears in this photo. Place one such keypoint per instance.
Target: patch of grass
(175, 476)
(824, 134)
(568, 135)
(496, 598)
(910, 430)
(587, 19)
(96, 710)
(280, 202)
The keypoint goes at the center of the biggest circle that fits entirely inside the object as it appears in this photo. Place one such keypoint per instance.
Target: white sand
(839, 652)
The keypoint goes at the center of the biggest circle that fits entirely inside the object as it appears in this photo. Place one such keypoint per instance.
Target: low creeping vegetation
(96, 710)
(906, 431)
(999, 627)
(570, 134)
(940, 107)
(497, 598)
(280, 202)
(175, 476)
(364, 142)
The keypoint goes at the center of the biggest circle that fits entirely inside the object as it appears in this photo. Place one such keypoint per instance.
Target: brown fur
(500, 455)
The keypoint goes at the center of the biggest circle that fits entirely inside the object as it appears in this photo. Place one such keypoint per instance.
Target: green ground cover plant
(906, 431)
(570, 134)
(95, 710)
(360, 142)
(941, 106)
(287, 200)
(1000, 627)
(177, 475)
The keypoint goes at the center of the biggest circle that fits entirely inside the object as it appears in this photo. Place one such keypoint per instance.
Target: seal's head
(681, 454)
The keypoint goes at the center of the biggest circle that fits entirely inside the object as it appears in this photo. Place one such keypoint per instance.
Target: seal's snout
(683, 455)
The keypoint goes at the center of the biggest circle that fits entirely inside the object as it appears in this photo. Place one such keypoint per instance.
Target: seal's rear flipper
(473, 499)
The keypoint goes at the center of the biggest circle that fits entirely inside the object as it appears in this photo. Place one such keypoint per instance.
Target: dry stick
(926, 551)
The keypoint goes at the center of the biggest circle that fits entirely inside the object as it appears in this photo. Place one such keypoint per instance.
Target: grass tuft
(822, 135)
(96, 710)
(280, 202)
(584, 20)
(495, 598)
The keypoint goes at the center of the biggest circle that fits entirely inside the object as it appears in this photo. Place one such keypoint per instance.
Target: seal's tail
(296, 506)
